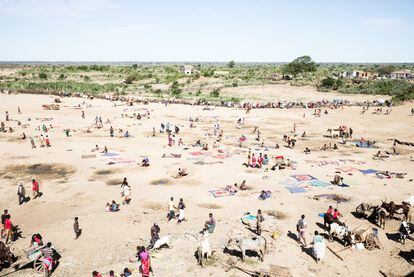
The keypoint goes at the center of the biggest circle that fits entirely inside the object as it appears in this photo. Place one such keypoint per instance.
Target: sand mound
(41, 171)
(114, 182)
(106, 172)
(154, 206)
(160, 182)
(276, 214)
(210, 206)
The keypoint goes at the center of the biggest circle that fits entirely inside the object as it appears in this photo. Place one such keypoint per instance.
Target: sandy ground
(286, 92)
(75, 186)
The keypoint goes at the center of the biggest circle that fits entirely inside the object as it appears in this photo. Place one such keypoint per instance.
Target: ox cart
(32, 256)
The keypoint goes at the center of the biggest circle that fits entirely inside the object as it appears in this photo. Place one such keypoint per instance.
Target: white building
(187, 69)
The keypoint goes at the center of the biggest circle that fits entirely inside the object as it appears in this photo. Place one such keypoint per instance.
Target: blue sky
(213, 30)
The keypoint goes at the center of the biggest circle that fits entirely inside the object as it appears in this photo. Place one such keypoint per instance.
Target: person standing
(155, 230)
(35, 189)
(181, 207)
(300, 227)
(83, 114)
(76, 228)
(21, 193)
(8, 228)
(171, 212)
(4, 216)
(318, 249)
(32, 143)
(259, 220)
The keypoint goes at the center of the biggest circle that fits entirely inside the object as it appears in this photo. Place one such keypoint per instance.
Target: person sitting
(335, 147)
(126, 135)
(324, 147)
(145, 162)
(210, 224)
(265, 159)
(205, 146)
(114, 206)
(95, 149)
(307, 150)
(48, 262)
(127, 273)
(36, 240)
(265, 194)
(198, 143)
(337, 180)
(232, 189)
(243, 185)
(182, 172)
(23, 136)
(180, 142)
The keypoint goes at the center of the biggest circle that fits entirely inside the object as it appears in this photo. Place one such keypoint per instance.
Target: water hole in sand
(40, 171)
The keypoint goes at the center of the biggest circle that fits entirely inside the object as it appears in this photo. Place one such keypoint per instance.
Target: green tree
(385, 69)
(175, 88)
(231, 64)
(300, 65)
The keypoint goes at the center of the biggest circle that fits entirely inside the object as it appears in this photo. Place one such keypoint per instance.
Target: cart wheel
(38, 265)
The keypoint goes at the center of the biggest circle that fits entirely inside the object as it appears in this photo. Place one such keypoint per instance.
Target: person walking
(300, 227)
(4, 216)
(76, 228)
(171, 209)
(181, 207)
(35, 189)
(21, 193)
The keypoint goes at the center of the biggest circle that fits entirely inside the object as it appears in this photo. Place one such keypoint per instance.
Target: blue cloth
(368, 171)
(295, 189)
(109, 154)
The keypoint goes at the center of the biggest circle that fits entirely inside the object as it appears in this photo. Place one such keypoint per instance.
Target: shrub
(42, 76)
(215, 93)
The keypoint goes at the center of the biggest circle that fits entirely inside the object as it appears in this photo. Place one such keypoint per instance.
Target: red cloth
(336, 214)
(145, 267)
(7, 224)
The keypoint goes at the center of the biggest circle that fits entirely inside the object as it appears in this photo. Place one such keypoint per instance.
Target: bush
(43, 76)
(215, 93)
(175, 88)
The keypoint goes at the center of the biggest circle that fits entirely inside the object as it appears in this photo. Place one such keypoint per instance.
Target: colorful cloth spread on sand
(347, 169)
(109, 154)
(220, 193)
(303, 177)
(368, 171)
(334, 162)
(303, 183)
(120, 160)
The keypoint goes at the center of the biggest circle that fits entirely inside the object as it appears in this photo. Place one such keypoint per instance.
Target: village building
(402, 74)
(187, 69)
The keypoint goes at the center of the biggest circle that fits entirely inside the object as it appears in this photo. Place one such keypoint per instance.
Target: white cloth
(126, 191)
(181, 215)
(318, 249)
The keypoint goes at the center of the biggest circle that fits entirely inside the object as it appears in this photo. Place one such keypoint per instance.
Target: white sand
(109, 239)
